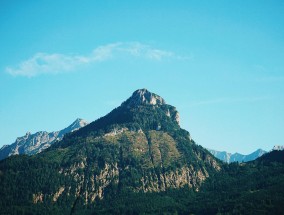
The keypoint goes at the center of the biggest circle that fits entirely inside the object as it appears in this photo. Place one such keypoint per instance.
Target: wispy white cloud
(44, 63)
(227, 100)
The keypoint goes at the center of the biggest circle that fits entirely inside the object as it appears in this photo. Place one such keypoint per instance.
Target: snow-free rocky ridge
(236, 157)
(35, 143)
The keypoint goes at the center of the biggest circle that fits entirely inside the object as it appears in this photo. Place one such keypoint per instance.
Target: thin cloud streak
(44, 63)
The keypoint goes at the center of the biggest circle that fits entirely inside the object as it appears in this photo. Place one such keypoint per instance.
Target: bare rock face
(35, 143)
(176, 117)
(144, 97)
(97, 184)
(37, 198)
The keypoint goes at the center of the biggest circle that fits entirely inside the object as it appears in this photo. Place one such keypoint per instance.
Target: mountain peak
(144, 97)
(78, 123)
(236, 157)
(37, 142)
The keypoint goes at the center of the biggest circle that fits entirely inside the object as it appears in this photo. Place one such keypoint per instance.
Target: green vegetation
(252, 188)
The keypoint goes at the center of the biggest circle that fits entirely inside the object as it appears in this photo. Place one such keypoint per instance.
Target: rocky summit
(135, 160)
(144, 97)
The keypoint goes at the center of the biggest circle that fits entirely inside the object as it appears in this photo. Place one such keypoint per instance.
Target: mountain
(138, 147)
(34, 143)
(223, 156)
(137, 160)
(236, 157)
(141, 137)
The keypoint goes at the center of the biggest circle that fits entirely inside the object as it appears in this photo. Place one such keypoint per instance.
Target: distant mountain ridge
(236, 157)
(35, 143)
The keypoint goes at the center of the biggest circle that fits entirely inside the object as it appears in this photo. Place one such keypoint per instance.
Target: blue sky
(219, 62)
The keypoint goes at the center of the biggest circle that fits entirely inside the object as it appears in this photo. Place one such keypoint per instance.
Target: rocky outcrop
(150, 182)
(143, 97)
(58, 193)
(185, 176)
(278, 148)
(35, 143)
(38, 198)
